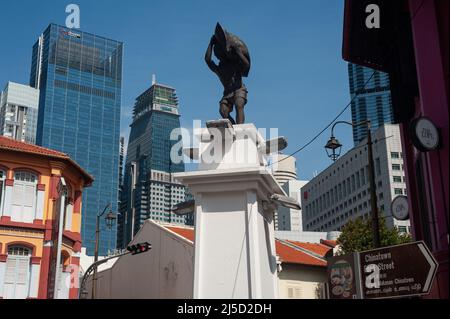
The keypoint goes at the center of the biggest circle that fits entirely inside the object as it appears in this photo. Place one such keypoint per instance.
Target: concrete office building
(341, 192)
(19, 112)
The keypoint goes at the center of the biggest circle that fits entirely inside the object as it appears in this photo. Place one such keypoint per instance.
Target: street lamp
(110, 217)
(333, 149)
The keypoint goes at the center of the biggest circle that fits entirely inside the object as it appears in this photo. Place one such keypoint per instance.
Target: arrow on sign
(433, 266)
(397, 271)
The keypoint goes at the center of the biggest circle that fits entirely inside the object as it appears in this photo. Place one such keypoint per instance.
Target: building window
(395, 155)
(17, 273)
(396, 167)
(294, 292)
(398, 191)
(363, 177)
(378, 166)
(402, 229)
(397, 179)
(24, 197)
(19, 251)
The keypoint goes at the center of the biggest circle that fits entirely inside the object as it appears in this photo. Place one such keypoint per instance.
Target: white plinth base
(234, 229)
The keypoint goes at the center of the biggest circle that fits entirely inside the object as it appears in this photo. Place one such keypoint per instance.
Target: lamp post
(110, 217)
(333, 148)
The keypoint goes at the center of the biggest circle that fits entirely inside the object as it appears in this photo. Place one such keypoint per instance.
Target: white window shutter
(298, 293)
(10, 273)
(18, 191)
(290, 293)
(23, 202)
(23, 268)
(29, 195)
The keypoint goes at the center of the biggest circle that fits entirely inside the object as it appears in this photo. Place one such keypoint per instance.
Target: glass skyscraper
(373, 102)
(149, 189)
(80, 78)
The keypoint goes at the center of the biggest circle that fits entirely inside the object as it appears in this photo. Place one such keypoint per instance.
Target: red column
(43, 278)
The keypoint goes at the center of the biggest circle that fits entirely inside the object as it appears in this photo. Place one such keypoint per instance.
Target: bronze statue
(234, 63)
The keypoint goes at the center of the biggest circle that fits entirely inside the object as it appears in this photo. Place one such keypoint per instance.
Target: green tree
(357, 236)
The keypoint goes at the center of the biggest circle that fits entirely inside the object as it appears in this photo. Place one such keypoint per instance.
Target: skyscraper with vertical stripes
(373, 101)
(149, 189)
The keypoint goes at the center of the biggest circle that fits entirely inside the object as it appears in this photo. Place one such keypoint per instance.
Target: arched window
(24, 197)
(2, 190)
(19, 251)
(17, 272)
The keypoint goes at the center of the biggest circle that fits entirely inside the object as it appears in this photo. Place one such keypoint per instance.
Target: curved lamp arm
(104, 211)
(366, 122)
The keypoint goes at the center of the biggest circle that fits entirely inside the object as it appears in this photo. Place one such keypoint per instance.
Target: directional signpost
(397, 271)
(389, 272)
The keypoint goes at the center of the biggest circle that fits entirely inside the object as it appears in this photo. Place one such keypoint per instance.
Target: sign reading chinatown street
(397, 271)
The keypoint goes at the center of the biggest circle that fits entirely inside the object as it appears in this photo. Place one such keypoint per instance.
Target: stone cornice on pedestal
(231, 180)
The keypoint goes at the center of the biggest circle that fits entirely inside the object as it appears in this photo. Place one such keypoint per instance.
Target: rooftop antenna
(153, 79)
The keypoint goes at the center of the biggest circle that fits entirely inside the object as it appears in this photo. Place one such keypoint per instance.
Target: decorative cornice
(6, 222)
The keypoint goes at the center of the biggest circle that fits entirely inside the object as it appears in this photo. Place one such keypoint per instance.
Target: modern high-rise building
(121, 162)
(80, 78)
(341, 192)
(149, 189)
(373, 102)
(19, 112)
(285, 172)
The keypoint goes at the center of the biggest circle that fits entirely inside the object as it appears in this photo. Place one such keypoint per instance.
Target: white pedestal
(234, 233)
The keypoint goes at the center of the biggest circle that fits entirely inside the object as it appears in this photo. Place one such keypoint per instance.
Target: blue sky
(298, 81)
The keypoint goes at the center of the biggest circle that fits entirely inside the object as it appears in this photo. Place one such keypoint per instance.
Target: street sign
(400, 208)
(425, 135)
(397, 271)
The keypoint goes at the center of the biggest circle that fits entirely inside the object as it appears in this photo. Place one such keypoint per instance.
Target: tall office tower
(373, 102)
(285, 172)
(121, 161)
(342, 192)
(19, 112)
(150, 190)
(80, 78)
(120, 222)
